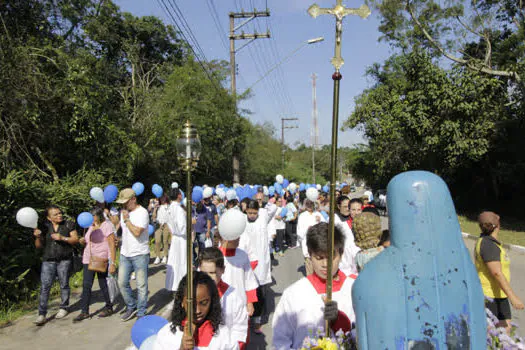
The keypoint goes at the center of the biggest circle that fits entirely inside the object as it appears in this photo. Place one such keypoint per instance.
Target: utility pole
(283, 120)
(242, 36)
(315, 129)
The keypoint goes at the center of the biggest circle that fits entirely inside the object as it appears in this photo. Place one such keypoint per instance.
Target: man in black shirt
(57, 238)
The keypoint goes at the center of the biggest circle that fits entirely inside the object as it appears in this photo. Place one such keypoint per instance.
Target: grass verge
(14, 311)
(505, 235)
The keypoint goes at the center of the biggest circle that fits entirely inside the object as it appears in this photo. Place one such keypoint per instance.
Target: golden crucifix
(340, 12)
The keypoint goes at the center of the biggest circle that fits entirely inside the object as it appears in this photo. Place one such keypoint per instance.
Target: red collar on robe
(228, 251)
(349, 222)
(222, 287)
(203, 334)
(320, 284)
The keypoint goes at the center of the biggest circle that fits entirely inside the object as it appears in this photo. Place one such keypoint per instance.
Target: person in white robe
(208, 330)
(303, 306)
(176, 266)
(234, 313)
(307, 218)
(257, 233)
(238, 272)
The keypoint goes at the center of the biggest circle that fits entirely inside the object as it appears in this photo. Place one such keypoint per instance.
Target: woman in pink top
(99, 241)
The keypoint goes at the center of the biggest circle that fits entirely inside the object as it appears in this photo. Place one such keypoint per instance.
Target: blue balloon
(151, 229)
(84, 219)
(326, 188)
(284, 211)
(271, 191)
(157, 190)
(145, 327)
(278, 188)
(182, 194)
(198, 188)
(196, 195)
(239, 192)
(138, 187)
(285, 183)
(281, 192)
(302, 187)
(110, 193)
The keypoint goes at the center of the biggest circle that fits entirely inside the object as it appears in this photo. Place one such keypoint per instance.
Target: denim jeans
(127, 265)
(87, 285)
(50, 269)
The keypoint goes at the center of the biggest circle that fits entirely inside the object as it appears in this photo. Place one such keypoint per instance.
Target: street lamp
(188, 151)
(307, 42)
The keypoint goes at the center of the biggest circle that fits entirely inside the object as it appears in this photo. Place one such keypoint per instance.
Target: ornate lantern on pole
(188, 151)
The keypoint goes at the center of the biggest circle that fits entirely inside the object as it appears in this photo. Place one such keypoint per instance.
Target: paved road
(111, 333)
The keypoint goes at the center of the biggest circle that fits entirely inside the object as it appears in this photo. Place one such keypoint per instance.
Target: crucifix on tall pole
(340, 12)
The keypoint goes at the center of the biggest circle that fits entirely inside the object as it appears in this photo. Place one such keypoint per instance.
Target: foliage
(483, 36)
(19, 260)
(420, 116)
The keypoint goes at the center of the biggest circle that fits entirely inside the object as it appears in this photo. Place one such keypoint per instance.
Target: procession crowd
(234, 241)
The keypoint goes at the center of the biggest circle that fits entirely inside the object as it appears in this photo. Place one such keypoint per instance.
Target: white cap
(174, 185)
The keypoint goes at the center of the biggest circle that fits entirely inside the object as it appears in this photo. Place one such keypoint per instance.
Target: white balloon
(266, 191)
(207, 192)
(279, 178)
(312, 194)
(292, 187)
(220, 192)
(231, 195)
(27, 217)
(149, 343)
(174, 185)
(232, 224)
(97, 194)
(318, 187)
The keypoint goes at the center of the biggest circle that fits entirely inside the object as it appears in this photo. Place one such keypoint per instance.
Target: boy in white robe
(238, 273)
(257, 232)
(303, 306)
(307, 218)
(234, 313)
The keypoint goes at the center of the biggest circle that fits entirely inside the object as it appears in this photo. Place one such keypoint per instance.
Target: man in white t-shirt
(134, 253)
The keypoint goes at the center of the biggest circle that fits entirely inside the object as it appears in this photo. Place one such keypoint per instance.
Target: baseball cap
(125, 195)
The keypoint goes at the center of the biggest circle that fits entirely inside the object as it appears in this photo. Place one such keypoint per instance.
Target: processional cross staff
(340, 12)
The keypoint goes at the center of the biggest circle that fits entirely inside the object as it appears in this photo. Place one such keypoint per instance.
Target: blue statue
(423, 291)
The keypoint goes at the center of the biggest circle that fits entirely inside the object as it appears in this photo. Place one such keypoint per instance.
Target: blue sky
(287, 91)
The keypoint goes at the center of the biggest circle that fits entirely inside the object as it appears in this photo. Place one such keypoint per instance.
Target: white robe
(239, 274)
(305, 220)
(301, 309)
(347, 264)
(257, 235)
(176, 267)
(234, 314)
(166, 340)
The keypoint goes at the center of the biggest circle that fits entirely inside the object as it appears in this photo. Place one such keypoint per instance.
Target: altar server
(303, 306)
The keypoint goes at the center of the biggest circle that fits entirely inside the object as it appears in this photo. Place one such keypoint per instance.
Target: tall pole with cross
(340, 12)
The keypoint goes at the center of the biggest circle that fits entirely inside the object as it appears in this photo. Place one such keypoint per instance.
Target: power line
(199, 60)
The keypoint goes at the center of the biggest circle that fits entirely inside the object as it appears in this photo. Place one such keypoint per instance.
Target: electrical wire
(162, 4)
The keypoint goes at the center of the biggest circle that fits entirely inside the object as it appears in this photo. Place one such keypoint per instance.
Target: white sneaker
(133, 275)
(164, 260)
(61, 314)
(40, 320)
(157, 261)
